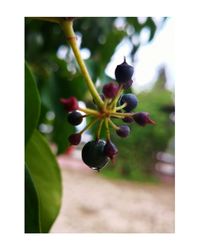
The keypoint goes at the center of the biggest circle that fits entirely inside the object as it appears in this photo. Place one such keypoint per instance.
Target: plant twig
(67, 27)
(48, 19)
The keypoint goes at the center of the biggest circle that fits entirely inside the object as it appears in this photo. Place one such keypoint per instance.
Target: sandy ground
(92, 204)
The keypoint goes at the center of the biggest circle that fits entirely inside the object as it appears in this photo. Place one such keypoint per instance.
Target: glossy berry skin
(131, 101)
(74, 139)
(124, 72)
(75, 118)
(93, 154)
(123, 131)
(142, 118)
(110, 90)
(128, 119)
(110, 150)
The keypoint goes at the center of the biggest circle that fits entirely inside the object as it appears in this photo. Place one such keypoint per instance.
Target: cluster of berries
(97, 153)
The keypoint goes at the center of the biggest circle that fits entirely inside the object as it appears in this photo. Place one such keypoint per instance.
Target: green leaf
(46, 176)
(31, 205)
(32, 104)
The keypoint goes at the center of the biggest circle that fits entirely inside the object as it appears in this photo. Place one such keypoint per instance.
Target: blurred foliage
(58, 75)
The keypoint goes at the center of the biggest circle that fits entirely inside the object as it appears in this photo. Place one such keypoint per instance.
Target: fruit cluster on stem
(111, 103)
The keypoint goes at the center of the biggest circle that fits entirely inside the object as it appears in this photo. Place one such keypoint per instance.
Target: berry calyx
(123, 74)
(127, 84)
(123, 131)
(93, 154)
(70, 103)
(142, 118)
(110, 90)
(131, 101)
(75, 118)
(74, 139)
(110, 149)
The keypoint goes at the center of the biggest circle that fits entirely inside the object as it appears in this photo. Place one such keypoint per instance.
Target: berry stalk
(67, 27)
(88, 126)
(114, 101)
(89, 111)
(120, 115)
(107, 129)
(99, 129)
(48, 19)
(121, 107)
(112, 124)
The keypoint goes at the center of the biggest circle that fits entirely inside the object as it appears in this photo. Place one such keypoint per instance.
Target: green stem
(67, 27)
(99, 129)
(120, 115)
(113, 125)
(88, 126)
(117, 116)
(121, 107)
(89, 111)
(48, 19)
(114, 101)
(107, 129)
(105, 103)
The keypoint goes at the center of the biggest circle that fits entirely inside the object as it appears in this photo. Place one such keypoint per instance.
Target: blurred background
(136, 192)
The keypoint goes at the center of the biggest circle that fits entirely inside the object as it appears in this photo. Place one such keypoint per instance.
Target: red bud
(142, 118)
(70, 103)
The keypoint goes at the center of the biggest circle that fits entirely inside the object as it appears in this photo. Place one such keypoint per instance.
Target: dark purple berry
(110, 90)
(93, 154)
(142, 118)
(123, 131)
(130, 100)
(74, 139)
(75, 118)
(124, 72)
(110, 150)
(128, 119)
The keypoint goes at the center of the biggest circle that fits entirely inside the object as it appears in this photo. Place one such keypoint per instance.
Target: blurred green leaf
(31, 205)
(113, 39)
(75, 87)
(95, 31)
(135, 23)
(152, 26)
(32, 104)
(62, 130)
(46, 176)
